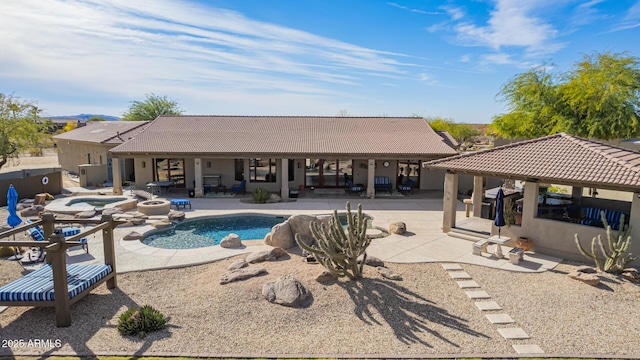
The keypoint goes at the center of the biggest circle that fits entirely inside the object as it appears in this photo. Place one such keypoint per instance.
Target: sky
(446, 58)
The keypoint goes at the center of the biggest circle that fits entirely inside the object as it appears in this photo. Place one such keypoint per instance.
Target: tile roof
(288, 135)
(104, 132)
(558, 158)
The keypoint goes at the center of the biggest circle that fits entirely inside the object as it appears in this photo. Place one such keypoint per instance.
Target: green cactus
(337, 248)
(615, 260)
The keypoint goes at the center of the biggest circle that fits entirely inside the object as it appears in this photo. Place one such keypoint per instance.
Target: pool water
(210, 231)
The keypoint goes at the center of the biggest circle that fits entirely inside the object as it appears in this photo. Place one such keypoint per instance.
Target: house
(87, 148)
(557, 159)
(282, 153)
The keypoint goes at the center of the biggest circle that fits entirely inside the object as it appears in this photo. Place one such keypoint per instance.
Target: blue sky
(297, 57)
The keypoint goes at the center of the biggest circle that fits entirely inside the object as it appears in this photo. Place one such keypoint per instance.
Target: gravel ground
(425, 314)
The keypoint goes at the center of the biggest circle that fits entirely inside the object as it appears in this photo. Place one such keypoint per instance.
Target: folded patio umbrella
(499, 220)
(13, 220)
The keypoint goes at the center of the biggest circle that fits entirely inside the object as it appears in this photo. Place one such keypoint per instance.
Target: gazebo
(560, 159)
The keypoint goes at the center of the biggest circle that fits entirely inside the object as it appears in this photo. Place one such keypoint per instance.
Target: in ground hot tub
(76, 204)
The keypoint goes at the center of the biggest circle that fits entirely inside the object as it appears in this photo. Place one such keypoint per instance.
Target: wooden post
(48, 226)
(109, 249)
(60, 286)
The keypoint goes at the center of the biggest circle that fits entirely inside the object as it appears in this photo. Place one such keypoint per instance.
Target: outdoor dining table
(157, 186)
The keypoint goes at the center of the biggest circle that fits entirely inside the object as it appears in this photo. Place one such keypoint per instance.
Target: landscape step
(467, 235)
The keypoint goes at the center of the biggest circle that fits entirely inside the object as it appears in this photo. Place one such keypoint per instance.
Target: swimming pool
(205, 232)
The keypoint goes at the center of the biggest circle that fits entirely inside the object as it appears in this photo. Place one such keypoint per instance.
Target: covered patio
(558, 159)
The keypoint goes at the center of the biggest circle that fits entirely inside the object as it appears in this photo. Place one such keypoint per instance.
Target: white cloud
(631, 20)
(465, 58)
(455, 12)
(127, 48)
(413, 10)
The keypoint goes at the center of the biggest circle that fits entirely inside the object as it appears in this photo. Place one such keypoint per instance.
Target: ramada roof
(103, 132)
(559, 158)
(284, 135)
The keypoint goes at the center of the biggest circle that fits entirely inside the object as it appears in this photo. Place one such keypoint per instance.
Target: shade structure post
(109, 248)
(57, 254)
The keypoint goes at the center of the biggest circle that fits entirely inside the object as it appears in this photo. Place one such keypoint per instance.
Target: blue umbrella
(499, 221)
(13, 220)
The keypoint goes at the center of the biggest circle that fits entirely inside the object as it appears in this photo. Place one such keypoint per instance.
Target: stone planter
(154, 207)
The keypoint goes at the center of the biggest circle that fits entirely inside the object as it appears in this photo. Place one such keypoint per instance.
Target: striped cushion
(70, 231)
(38, 285)
(180, 202)
(36, 232)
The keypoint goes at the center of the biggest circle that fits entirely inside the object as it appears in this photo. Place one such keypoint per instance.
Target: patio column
(197, 164)
(450, 201)
(634, 223)
(371, 173)
(117, 177)
(284, 179)
(478, 194)
(530, 202)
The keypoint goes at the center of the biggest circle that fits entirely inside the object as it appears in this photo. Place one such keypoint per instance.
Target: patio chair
(408, 187)
(239, 188)
(354, 188)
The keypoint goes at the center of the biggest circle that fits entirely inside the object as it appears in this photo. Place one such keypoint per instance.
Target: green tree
(598, 98)
(21, 128)
(460, 132)
(96, 118)
(151, 108)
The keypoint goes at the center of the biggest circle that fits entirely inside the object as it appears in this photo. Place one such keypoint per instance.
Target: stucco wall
(71, 154)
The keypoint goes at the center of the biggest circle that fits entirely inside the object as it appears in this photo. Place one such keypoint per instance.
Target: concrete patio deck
(424, 242)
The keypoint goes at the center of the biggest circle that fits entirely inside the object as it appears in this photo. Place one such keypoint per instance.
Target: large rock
(371, 261)
(586, 269)
(397, 228)
(326, 276)
(389, 274)
(265, 255)
(112, 211)
(241, 274)
(281, 236)
(133, 236)
(299, 224)
(274, 198)
(286, 290)
(85, 214)
(33, 210)
(175, 215)
(231, 241)
(161, 224)
(238, 264)
(589, 279)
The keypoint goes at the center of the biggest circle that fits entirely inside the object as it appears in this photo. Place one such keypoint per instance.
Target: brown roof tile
(560, 158)
(257, 135)
(105, 132)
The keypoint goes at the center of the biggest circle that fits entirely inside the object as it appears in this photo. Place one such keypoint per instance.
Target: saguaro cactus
(338, 248)
(614, 254)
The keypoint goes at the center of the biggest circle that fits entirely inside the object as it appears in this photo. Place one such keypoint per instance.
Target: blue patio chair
(239, 188)
(408, 187)
(354, 188)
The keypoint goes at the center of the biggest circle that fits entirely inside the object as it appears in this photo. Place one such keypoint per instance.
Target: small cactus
(338, 248)
(615, 260)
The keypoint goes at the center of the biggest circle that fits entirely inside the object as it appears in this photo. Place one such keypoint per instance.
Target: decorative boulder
(589, 279)
(274, 198)
(286, 290)
(137, 221)
(241, 274)
(32, 210)
(85, 214)
(161, 224)
(265, 255)
(371, 261)
(299, 224)
(397, 228)
(231, 241)
(176, 215)
(281, 236)
(238, 264)
(133, 236)
(388, 273)
(326, 276)
(112, 211)
(586, 269)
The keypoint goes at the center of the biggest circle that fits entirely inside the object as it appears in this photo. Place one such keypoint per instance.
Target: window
(262, 170)
(169, 169)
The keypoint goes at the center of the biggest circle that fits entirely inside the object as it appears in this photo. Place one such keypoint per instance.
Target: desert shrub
(261, 195)
(141, 321)
(6, 251)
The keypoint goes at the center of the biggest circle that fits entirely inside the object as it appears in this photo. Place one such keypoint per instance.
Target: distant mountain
(85, 117)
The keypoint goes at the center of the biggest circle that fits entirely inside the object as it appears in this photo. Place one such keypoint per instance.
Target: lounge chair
(36, 232)
(72, 230)
(239, 188)
(408, 187)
